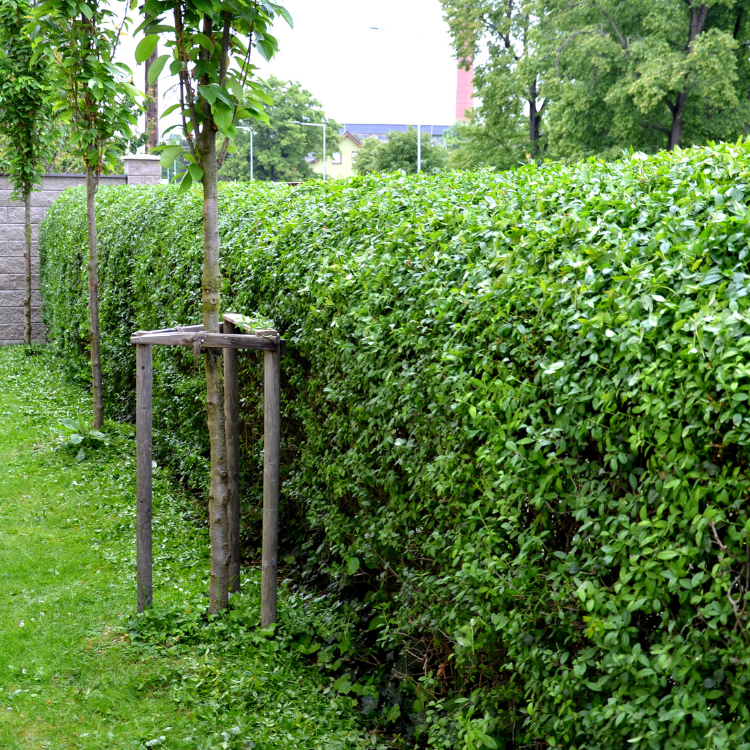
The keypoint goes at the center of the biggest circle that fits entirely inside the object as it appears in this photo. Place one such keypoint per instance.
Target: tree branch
(570, 38)
(623, 40)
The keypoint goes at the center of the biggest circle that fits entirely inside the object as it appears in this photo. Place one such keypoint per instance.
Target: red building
(464, 92)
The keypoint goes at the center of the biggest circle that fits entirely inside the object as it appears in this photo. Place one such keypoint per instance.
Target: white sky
(403, 71)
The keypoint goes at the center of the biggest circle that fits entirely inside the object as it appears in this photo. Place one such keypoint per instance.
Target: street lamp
(250, 130)
(315, 125)
(419, 148)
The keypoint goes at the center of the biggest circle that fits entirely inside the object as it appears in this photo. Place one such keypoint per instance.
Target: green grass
(77, 668)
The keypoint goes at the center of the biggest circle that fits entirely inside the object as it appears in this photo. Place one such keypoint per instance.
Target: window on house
(336, 158)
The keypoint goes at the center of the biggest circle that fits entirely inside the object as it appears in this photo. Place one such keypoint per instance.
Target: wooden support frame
(273, 348)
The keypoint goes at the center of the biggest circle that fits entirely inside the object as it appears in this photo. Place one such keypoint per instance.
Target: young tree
(25, 120)
(400, 152)
(210, 43)
(94, 94)
(279, 148)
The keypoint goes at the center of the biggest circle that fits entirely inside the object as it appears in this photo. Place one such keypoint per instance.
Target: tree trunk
(219, 494)
(92, 184)
(698, 14)
(675, 133)
(535, 120)
(27, 270)
(152, 109)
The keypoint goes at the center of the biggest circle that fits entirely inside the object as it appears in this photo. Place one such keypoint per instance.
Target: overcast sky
(400, 71)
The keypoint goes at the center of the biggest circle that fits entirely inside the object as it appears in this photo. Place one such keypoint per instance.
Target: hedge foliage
(515, 407)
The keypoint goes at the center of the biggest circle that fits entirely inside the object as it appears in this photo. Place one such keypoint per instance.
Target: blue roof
(379, 129)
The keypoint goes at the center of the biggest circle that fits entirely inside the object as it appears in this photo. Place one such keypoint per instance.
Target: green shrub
(515, 408)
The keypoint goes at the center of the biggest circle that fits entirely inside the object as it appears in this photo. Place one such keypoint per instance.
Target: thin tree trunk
(152, 109)
(535, 119)
(92, 184)
(27, 269)
(675, 133)
(698, 15)
(219, 494)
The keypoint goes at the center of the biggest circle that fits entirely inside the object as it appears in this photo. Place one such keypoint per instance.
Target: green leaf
(223, 116)
(169, 154)
(376, 623)
(86, 10)
(155, 69)
(195, 172)
(170, 109)
(186, 183)
(668, 554)
(343, 684)
(204, 42)
(284, 13)
(352, 565)
(146, 47)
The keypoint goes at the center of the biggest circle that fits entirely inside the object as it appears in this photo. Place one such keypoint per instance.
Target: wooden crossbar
(268, 342)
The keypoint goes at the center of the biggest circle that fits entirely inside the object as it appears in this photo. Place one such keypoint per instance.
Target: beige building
(341, 163)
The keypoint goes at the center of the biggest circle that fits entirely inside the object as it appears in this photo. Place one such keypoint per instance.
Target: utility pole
(419, 148)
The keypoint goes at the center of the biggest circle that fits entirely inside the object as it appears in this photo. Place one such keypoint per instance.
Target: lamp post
(419, 148)
(250, 130)
(315, 125)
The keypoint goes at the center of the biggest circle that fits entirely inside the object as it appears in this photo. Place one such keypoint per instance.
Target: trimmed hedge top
(515, 407)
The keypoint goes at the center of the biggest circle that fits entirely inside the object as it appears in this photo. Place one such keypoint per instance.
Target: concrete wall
(139, 170)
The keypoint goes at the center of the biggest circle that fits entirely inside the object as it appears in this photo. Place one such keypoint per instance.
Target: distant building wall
(139, 170)
(341, 164)
(464, 92)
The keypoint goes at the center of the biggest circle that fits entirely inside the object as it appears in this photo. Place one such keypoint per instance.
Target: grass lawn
(77, 668)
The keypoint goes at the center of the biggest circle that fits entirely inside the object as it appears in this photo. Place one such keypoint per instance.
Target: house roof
(382, 129)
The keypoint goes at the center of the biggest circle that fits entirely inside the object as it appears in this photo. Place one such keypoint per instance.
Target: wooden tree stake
(144, 438)
(232, 428)
(272, 446)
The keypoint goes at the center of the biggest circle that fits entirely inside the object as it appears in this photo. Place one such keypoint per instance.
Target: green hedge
(515, 409)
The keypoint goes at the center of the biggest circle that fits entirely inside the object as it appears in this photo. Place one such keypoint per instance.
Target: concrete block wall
(141, 169)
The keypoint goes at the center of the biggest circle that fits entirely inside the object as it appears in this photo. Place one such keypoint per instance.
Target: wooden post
(144, 432)
(232, 427)
(271, 450)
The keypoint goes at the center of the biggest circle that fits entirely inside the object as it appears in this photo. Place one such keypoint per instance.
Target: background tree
(210, 43)
(94, 95)
(25, 120)
(613, 76)
(507, 125)
(400, 152)
(280, 149)
(649, 76)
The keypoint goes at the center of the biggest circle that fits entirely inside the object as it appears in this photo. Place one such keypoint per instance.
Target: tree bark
(219, 493)
(535, 119)
(698, 14)
(27, 270)
(92, 185)
(152, 109)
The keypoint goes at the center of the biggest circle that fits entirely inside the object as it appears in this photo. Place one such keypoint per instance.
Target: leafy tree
(507, 124)
(94, 95)
(25, 120)
(210, 43)
(599, 76)
(279, 148)
(649, 76)
(400, 152)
